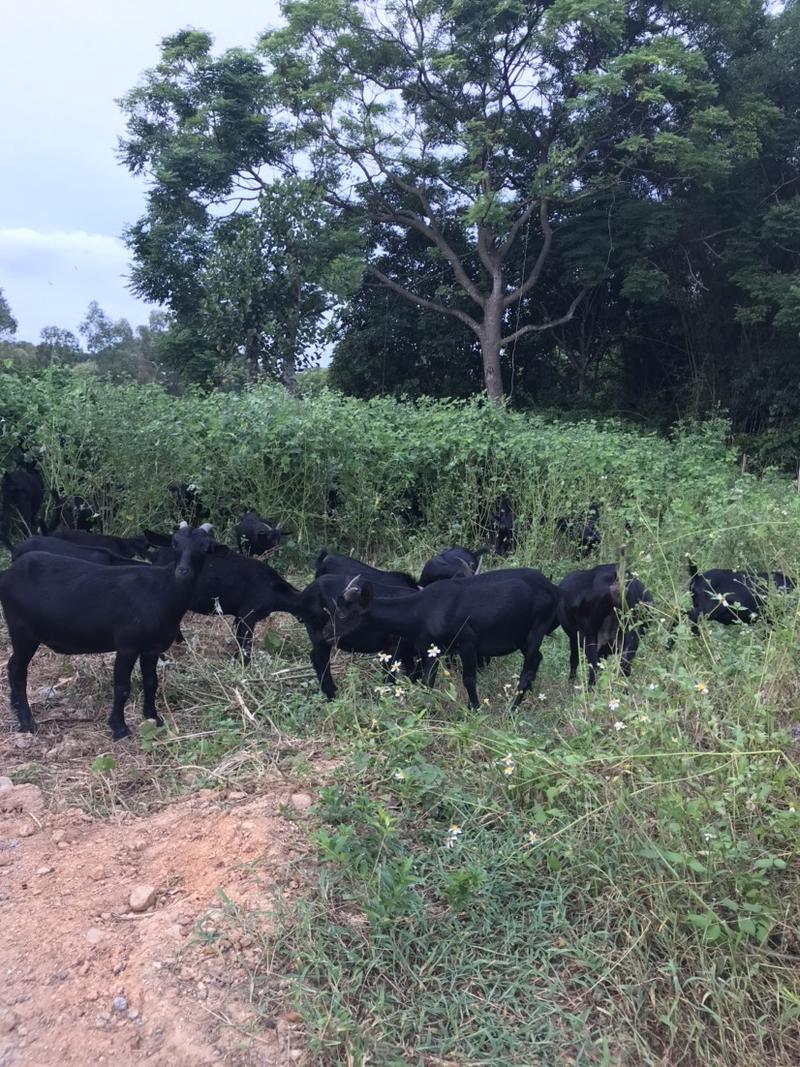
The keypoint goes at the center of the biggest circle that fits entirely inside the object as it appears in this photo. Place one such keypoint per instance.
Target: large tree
(496, 117)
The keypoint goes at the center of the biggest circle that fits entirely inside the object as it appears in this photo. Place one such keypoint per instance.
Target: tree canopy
(589, 202)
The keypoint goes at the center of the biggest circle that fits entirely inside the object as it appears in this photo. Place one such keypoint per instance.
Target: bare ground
(194, 970)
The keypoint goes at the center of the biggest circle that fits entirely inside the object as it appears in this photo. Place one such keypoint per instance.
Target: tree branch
(531, 328)
(533, 277)
(421, 301)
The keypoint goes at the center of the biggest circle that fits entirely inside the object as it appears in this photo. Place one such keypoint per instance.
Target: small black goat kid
(485, 616)
(504, 523)
(75, 607)
(255, 536)
(190, 507)
(451, 563)
(728, 597)
(592, 611)
(584, 531)
(71, 513)
(345, 566)
(22, 493)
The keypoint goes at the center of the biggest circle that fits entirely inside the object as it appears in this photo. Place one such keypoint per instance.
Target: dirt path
(86, 980)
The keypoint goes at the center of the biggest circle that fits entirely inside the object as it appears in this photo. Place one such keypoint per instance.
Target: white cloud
(49, 278)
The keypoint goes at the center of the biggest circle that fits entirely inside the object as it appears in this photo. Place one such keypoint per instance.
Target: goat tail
(691, 566)
(321, 557)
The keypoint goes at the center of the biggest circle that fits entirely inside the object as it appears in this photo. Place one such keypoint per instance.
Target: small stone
(59, 835)
(94, 936)
(5, 783)
(92, 995)
(23, 740)
(26, 829)
(301, 801)
(133, 1013)
(236, 794)
(8, 1020)
(97, 874)
(142, 897)
(120, 1004)
(44, 870)
(102, 1019)
(295, 1054)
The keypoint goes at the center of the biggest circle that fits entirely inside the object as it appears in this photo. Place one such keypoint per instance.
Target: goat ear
(217, 548)
(366, 593)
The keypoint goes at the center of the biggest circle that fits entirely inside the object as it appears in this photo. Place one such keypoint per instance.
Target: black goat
(484, 617)
(120, 546)
(255, 536)
(190, 507)
(451, 563)
(329, 563)
(56, 546)
(589, 611)
(732, 596)
(231, 584)
(76, 607)
(22, 493)
(316, 606)
(504, 521)
(71, 513)
(585, 531)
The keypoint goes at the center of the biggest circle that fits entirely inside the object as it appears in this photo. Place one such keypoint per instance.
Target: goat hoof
(120, 733)
(26, 727)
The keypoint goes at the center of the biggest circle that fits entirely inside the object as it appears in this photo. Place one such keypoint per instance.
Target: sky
(64, 197)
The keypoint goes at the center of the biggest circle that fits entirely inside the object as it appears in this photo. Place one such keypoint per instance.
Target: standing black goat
(485, 616)
(255, 536)
(316, 606)
(230, 584)
(732, 596)
(75, 607)
(22, 493)
(589, 611)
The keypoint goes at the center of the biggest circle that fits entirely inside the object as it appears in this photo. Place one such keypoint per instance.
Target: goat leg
(147, 664)
(123, 666)
(244, 640)
(532, 658)
(574, 657)
(321, 662)
(469, 672)
(18, 683)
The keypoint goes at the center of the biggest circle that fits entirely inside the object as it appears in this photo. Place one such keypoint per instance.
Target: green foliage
(8, 324)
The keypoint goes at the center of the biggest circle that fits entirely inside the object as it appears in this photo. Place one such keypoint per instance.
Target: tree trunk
(490, 337)
(289, 374)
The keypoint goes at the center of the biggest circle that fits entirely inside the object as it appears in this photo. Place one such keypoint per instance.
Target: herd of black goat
(80, 591)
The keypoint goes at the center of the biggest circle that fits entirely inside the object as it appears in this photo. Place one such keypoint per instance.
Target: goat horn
(207, 526)
(351, 584)
(478, 568)
(183, 525)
